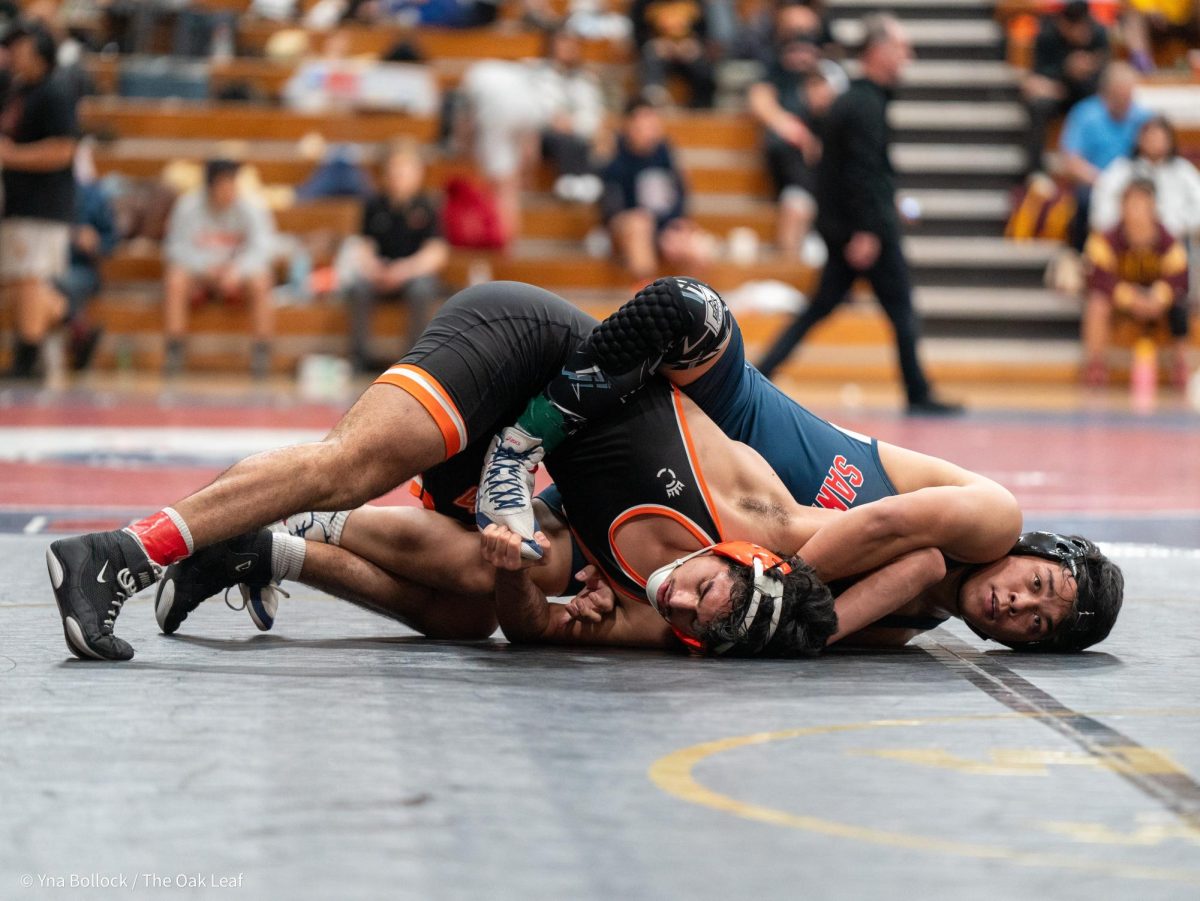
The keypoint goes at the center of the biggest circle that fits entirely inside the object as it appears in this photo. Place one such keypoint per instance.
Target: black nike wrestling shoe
(243, 560)
(92, 576)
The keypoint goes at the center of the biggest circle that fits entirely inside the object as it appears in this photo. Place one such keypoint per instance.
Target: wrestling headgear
(766, 596)
(1088, 621)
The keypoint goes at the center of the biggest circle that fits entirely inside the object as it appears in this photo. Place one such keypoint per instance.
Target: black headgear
(1070, 554)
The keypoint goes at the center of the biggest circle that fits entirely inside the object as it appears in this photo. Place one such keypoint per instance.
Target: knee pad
(675, 322)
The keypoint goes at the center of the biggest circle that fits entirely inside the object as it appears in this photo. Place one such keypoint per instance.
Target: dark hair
(1157, 122)
(1140, 183)
(1100, 588)
(637, 103)
(806, 621)
(215, 169)
(1075, 11)
(43, 41)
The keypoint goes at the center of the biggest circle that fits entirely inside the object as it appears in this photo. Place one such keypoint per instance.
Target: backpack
(471, 217)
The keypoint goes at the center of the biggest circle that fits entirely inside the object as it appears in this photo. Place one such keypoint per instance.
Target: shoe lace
(128, 586)
(505, 481)
(244, 600)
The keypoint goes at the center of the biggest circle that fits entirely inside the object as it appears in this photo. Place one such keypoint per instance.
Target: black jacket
(856, 189)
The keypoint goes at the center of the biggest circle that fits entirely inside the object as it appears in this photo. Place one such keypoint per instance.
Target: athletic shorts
(33, 249)
(484, 355)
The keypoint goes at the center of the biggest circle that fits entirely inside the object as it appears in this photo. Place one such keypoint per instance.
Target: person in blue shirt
(1098, 131)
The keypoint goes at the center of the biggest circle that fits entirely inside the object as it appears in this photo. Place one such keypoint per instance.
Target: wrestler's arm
(885, 591)
(526, 617)
(974, 523)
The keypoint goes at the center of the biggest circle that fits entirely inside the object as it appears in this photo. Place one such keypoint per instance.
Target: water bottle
(1143, 375)
(300, 274)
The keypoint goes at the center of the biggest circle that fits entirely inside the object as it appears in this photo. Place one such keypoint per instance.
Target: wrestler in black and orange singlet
(638, 463)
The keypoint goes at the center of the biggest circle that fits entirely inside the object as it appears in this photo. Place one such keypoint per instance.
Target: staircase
(958, 128)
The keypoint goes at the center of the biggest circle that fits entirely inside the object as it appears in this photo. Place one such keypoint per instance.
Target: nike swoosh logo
(100, 578)
(242, 567)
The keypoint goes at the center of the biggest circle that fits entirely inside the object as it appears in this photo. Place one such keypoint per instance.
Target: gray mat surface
(342, 757)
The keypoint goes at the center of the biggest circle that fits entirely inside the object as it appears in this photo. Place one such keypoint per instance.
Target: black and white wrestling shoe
(245, 560)
(92, 576)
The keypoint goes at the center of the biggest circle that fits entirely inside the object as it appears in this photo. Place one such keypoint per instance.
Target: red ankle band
(161, 538)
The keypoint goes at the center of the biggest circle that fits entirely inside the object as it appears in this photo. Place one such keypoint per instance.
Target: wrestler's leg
(433, 613)
(485, 352)
(436, 552)
(675, 325)
(358, 461)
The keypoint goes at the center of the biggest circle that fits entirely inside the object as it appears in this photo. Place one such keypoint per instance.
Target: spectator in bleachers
(437, 13)
(93, 239)
(1099, 130)
(218, 245)
(645, 200)
(402, 258)
(1137, 269)
(789, 102)
(1068, 56)
(672, 39)
(1176, 182)
(275, 10)
(1145, 21)
(37, 148)
(515, 105)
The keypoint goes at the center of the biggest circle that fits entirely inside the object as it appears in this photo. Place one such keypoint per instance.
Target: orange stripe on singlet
(694, 459)
(430, 394)
(651, 510)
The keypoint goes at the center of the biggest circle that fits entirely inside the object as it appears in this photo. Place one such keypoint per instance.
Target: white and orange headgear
(766, 595)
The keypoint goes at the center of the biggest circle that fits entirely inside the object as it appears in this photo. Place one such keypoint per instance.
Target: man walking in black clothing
(856, 211)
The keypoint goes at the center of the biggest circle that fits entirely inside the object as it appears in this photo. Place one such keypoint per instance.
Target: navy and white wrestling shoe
(505, 494)
(243, 561)
(92, 576)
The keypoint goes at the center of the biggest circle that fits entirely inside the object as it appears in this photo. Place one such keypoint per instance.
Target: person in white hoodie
(1176, 182)
(218, 245)
(514, 103)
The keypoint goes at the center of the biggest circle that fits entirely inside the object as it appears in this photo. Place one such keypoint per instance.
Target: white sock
(182, 527)
(287, 556)
(323, 527)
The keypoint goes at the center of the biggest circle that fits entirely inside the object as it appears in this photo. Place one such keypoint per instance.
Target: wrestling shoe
(505, 494)
(242, 560)
(92, 576)
(261, 602)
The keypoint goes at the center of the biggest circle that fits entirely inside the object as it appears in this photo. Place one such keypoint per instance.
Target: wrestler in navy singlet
(821, 464)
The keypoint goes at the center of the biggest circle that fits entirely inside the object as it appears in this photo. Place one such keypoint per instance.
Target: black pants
(568, 153)
(698, 73)
(889, 277)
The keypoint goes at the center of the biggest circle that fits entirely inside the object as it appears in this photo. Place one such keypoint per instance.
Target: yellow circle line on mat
(673, 774)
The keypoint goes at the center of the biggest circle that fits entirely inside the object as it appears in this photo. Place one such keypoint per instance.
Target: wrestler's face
(696, 594)
(1017, 598)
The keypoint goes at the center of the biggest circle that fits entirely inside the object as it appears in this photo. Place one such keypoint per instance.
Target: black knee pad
(675, 322)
